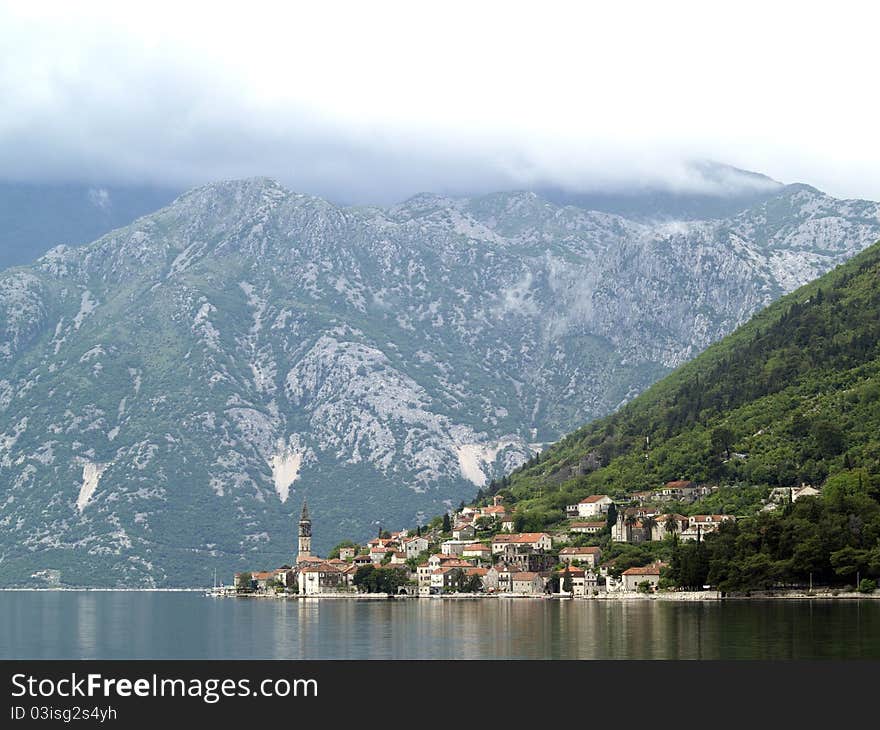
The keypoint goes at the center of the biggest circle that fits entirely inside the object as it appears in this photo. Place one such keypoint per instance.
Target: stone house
(632, 577)
(463, 532)
(477, 550)
(414, 546)
(527, 583)
(315, 579)
(588, 556)
(529, 540)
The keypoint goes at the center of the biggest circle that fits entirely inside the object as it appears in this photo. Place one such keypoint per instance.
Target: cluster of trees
(831, 540)
(373, 579)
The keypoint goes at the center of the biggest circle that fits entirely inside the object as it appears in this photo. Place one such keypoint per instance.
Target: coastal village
(475, 550)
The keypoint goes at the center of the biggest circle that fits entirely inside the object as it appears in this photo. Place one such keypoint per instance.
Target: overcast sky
(371, 102)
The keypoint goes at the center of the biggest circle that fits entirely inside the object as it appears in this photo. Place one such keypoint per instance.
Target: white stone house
(321, 578)
(701, 525)
(477, 550)
(453, 547)
(423, 576)
(595, 504)
(587, 528)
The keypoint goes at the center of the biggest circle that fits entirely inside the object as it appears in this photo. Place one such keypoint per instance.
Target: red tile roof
(593, 498)
(580, 551)
(653, 569)
(522, 537)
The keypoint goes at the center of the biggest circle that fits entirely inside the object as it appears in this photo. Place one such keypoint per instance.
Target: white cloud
(381, 100)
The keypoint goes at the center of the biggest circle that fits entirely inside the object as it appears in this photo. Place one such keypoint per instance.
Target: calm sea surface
(121, 625)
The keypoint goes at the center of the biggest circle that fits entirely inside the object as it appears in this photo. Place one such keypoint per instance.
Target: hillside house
(701, 525)
(377, 554)
(528, 540)
(678, 523)
(414, 546)
(587, 528)
(595, 504)
(453, 547)
(677, 491)
(588, 556)
(477, 550)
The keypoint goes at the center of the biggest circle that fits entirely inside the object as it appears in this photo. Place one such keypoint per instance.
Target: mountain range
(170, 392)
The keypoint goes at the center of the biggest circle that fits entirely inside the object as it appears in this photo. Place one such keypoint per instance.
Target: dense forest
(791, 397)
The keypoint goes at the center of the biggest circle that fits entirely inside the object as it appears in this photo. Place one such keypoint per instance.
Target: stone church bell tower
(305, 534)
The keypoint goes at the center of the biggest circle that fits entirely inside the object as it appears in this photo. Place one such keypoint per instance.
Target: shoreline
(663, 597)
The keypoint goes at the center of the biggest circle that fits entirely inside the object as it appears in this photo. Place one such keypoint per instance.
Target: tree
(447, 525)
(829, 437)
(671, 523)
(630, 521)
(364, 578)
(611, 519)
(648, 525)
(473, 584)
(567, 585)
(245, 581)
(721, 439)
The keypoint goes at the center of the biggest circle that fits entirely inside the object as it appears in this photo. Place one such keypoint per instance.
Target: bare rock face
(170, 392)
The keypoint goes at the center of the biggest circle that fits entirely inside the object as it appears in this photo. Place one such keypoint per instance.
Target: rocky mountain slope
(170, 392)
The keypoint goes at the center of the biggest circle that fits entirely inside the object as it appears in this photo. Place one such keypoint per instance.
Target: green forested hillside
(792, 396)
